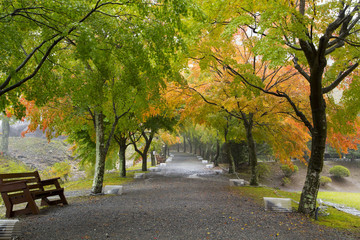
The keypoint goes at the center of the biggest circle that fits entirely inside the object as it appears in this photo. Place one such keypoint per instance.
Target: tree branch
(277, 94)
(339, 78)
(300, 69)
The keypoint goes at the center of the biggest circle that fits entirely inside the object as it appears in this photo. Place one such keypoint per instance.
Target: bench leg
(63, 198)
(46, 201)
(9, 211)
(31, 206)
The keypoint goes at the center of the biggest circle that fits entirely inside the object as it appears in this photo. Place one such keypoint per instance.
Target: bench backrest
(32, 179)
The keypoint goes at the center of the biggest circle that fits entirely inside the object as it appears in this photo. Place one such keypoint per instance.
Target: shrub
(263, 170)
(339, 171)
(325, 180)
(285, 181)
(288, 172)
(59, 169)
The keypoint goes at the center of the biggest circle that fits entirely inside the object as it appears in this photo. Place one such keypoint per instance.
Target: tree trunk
(248, 124)
(227, 156)
(144, 154)
(100, 154)
(190, 146)
(178, 147)
(153, 160)
(166, 151)
(310, 190)
(216, 159)
(184, 144)
(122, 155)
(5, 136)
(144, 162)
(208, 151)
(227, 152)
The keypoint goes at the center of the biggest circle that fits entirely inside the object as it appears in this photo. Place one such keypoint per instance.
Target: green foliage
(339, 171)
(288, 171)
(59, 169)
(285, 181)
(12, 166)
(325, 180)
(263, 170)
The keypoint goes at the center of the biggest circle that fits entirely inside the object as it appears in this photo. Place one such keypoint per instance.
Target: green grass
(344, 198)
(138, 166)
(336, 219)
(8, 165)
(109, 179)
(257, 194)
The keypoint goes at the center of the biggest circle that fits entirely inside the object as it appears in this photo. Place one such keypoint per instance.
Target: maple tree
(257, 112)
(320, 40)
(98, 94)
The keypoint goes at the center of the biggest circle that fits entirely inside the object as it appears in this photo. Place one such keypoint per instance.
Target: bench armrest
(13, 186)
(51, 181)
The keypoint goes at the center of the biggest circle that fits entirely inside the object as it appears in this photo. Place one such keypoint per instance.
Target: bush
(285, 181)
(288, 172)
(339, 171)
(59, 169)
(263, 170)
(325, 180)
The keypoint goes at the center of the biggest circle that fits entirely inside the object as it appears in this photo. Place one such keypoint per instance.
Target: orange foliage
(47, 117)
(169, 139)
(343, 142)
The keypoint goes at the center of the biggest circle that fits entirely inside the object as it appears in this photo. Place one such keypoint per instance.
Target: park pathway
(182, 201)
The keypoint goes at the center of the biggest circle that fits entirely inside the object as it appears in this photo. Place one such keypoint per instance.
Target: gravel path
(183, 201)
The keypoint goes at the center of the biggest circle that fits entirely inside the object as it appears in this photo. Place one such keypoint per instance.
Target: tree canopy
(280, 73)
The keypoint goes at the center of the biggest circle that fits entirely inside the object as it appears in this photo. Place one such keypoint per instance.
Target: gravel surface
(183, 201)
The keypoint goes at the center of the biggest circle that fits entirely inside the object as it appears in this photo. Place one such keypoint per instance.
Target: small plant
(288, 171)
(339, 171)
(263, 170)
(325, 180)
(285, 181)
(60, 169)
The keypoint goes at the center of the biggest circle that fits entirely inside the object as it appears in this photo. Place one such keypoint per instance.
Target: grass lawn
(336, 219)
(109, 179)
(344, 198)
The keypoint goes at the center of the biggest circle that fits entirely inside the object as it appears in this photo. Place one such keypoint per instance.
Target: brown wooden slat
(10, 187)
(18, 175)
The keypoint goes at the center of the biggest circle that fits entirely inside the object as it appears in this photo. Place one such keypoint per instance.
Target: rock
(277, 204)
(210, 165)
(237, 182)
(113, 189)
(154, 169)
(139, 175)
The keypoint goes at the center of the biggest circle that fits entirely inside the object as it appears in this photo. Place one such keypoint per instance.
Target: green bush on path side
(339, 171)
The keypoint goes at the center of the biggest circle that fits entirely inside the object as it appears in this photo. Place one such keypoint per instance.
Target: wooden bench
(17, 188)
(159, 159)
